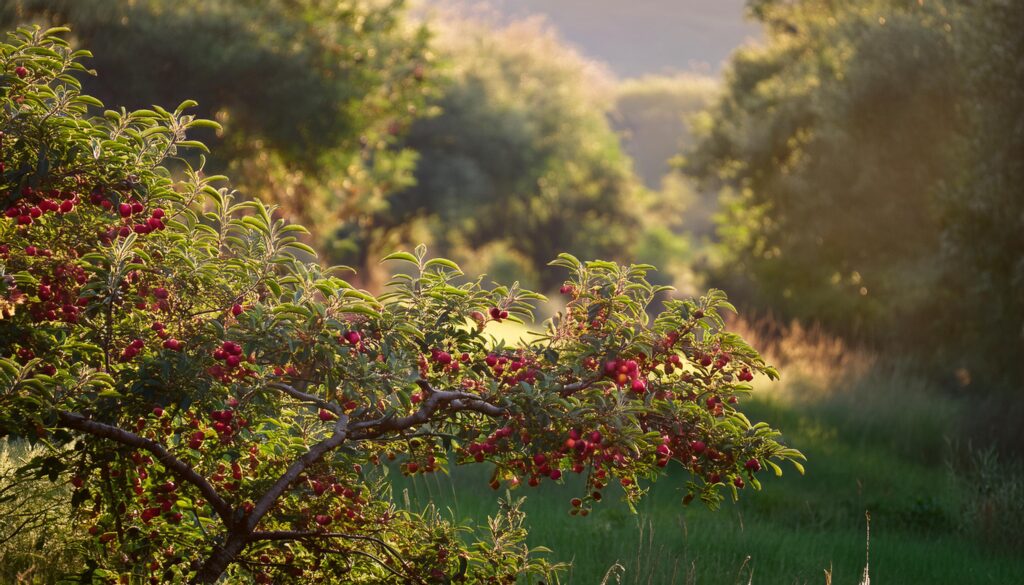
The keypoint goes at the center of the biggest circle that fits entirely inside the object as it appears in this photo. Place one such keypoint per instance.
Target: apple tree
(225, 408)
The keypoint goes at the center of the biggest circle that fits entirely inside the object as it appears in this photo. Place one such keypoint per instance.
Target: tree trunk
(218, 562)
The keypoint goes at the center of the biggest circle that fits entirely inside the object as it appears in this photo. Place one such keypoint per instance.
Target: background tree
(824, 146)
(223, 408)
(309, 94)
(520, 159)
(982, 209)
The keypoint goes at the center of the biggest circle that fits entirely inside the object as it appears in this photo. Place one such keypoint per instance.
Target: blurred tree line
(493, 145)
(870, 162)
(310, 93)
(865, 161)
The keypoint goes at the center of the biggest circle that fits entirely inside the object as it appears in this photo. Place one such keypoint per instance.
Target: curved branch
(477, 406)
(304, 534)
(569, 389)
(176, 466)
(315, 453)
(369, 556)
(306, 397)
(436, 400)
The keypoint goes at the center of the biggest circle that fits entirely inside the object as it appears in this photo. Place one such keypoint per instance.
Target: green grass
(864, 455)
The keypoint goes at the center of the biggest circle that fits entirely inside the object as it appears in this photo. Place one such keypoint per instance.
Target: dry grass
(812, 361)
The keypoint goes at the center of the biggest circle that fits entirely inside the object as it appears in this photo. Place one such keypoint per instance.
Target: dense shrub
(222, 407)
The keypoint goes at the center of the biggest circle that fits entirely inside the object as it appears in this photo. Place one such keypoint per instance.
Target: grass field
(877, 441)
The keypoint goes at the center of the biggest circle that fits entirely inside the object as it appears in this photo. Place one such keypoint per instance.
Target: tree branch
(176, 466)
(477, 405)
(436, 400)
(569, 389)
(306, 397)
(315, 453)
(369, 556)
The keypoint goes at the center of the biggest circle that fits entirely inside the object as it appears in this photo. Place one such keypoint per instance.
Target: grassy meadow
(878, 440)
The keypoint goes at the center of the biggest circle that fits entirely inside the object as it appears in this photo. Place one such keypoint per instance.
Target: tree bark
(218, 562)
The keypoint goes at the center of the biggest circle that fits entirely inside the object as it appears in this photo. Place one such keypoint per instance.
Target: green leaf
(407, 257)
(300, 246)
(194, 144)
(442, 262)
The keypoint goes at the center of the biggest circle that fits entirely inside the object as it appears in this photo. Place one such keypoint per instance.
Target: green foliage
(223, 406)
(983, 235)
(520, 153)
(310, 93)
(39, 542)
(867, 164)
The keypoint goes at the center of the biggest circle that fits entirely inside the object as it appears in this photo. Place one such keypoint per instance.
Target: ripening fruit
(21, 71)
(236, 309)
(698, 446)
(753, 465)
(326, 415)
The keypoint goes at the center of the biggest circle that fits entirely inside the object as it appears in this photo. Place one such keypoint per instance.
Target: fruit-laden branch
(240, 535)
(176, 466)
(407, 578)
(304, 534)
(315, 453)
(306, 397)
(570, 389)
(436, 400)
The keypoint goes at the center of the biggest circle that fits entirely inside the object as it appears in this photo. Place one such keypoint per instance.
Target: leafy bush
(222, 407)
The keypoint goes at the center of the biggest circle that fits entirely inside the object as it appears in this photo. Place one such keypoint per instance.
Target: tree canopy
(223, 407)
(848, 153)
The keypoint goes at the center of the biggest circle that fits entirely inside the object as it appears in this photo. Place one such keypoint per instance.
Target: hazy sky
(635, 37)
